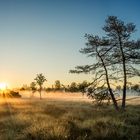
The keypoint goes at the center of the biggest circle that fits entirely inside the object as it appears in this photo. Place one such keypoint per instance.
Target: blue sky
(45, 36)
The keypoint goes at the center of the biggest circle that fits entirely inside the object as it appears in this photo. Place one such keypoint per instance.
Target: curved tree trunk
(108, 84)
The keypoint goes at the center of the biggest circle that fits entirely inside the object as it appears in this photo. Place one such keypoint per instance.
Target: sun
(3, 86)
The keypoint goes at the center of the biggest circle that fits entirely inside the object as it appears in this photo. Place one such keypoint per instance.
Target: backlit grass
(27, 119)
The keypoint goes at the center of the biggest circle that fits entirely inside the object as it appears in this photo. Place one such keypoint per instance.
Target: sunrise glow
(3, 86)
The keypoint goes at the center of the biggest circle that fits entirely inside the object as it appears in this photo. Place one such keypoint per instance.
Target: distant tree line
(74, 87)
(58, 86)
(134, 87)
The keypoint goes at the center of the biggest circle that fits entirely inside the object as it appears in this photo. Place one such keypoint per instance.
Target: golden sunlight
(3, 86)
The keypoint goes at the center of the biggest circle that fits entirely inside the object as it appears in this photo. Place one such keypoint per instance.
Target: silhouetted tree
(82, 86)
(136, 88)
(57, 85)
(24, 87)
(115, 54)
(33, 87)
(73, 87)
(118, 87)
(40, 79)
(98, 48)
(125, 52)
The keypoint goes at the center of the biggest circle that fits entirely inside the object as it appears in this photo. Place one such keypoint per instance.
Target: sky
(45, 36)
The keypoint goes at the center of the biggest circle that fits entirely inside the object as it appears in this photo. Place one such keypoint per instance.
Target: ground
(60, 116)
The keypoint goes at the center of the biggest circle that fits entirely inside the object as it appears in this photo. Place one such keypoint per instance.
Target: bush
(11, 94)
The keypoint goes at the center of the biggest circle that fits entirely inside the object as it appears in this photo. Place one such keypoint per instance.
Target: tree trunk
(124, 86)
(111, 92)
(124, 75)
(108, 84)
(40, 92)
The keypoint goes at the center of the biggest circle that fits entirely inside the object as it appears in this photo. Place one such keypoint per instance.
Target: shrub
(10, 94)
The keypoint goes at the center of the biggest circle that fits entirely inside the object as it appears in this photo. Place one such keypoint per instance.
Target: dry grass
(59, 119)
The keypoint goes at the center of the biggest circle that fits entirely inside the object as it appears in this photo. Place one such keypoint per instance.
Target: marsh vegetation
(63, 119)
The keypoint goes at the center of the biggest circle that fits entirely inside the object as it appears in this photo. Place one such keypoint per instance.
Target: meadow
(69, 117)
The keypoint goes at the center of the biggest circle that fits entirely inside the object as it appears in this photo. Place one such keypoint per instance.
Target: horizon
(39, 36)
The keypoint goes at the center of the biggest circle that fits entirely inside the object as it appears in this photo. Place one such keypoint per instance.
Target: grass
(25, 119)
